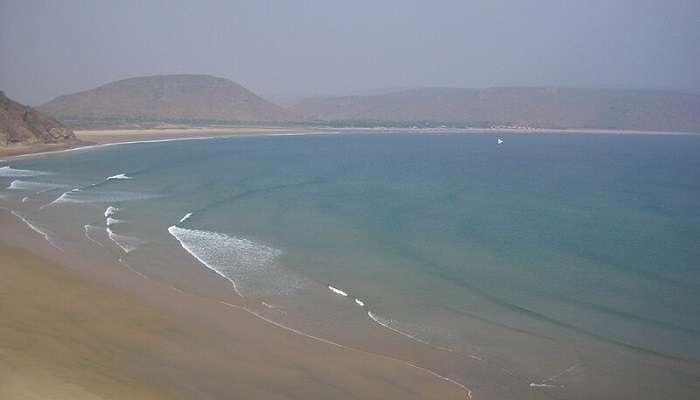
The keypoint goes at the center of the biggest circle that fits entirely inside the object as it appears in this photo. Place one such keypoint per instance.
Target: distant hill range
(166, 98)
(23, 125)
(203, 99)
(512, 106)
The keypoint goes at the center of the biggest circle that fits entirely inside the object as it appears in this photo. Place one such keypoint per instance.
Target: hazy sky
(295, 48)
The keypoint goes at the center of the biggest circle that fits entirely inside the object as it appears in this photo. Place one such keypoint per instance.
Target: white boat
(500, 141)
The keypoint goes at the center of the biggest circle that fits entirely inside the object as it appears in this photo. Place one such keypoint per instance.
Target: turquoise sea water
(535, 253)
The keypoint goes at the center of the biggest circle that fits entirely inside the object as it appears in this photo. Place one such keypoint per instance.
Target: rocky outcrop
(20, 124)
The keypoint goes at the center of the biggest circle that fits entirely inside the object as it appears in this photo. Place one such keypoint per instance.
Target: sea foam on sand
(251, 267)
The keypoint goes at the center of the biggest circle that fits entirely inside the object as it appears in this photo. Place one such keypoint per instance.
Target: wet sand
(68, 334)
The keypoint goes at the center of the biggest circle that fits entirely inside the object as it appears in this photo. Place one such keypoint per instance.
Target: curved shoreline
(92, 139)
(227, 339)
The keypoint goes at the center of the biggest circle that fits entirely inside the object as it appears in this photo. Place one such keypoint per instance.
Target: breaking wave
(337, 291)
(31, 186)
(80, 196)
(10, 172)
(397, 327)
(185, 218)
(35, 228)
(126, 243)
(251, 267)
(118, 176)
(112, 221)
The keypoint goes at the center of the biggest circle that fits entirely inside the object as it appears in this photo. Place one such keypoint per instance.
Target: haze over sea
(562, 265)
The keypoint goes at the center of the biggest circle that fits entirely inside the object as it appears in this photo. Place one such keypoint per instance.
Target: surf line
(122, 262)
(85, 229)
(329, 342)
(385, 324)
(546, 383)
(64, 196)
(405, 334)
(337, 291)
(194, 254)
(345, 294)
(306, 335)
(35, 229)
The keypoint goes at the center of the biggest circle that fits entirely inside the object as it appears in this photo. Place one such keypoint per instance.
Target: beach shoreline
(108, 136)
(167, 343)
(497, 360)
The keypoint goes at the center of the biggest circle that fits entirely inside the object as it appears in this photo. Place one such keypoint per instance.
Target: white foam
(467, 391)
(44, 233)
(25, 199)
(61, 199)
(78, 196)
(542, 385)
(387, 324)
(392, 326)
(251, 267)
(10, 172)
(549, 382)
(86, 229)
(118, 176)
(111, 221)
(32, 186)
(111, 210)
(185, 218)
(359, 302)
(337, 291)
(126, 243)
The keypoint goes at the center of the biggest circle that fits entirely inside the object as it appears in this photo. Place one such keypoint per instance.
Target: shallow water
(553, 265)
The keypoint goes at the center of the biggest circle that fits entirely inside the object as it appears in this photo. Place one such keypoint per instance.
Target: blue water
(450, 239)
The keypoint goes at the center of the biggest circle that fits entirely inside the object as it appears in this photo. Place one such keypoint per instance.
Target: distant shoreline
(282, 128)
(91, 137)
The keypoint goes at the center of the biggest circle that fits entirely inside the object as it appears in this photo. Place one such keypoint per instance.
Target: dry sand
(124, 135)
(67, 335)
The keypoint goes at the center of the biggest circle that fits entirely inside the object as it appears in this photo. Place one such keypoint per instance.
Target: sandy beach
(90, 137)
(109, 334)
(122, 135)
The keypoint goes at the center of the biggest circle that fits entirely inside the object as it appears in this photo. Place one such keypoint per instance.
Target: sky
(287, 49)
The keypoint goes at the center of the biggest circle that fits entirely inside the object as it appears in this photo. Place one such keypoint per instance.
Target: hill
(513, 106)
(23, 125)
(166, 98)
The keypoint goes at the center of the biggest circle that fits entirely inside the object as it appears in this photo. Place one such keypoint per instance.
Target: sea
(550, 265)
